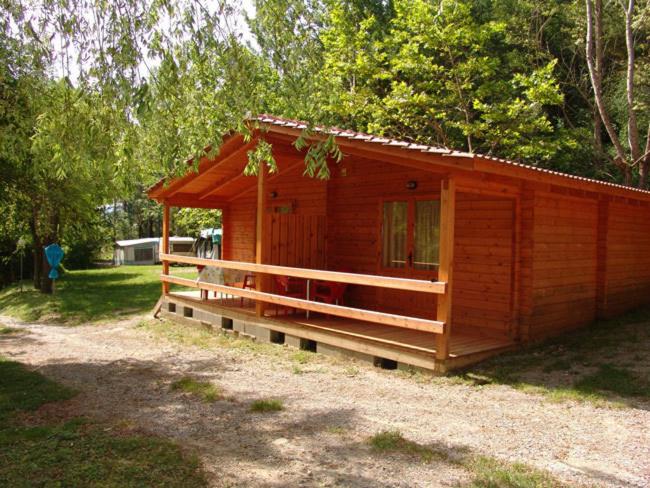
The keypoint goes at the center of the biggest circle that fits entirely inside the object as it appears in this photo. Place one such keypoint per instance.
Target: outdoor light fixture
(411, 185)
(273, 194)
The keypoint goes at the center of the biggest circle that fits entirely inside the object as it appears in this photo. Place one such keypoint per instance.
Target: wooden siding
(628, 257)
(482, 292)
(531, 260)
(293, 239)
(354, 198)
(564, 264)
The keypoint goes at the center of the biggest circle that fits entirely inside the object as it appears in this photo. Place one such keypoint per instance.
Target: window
(426, 234)
(395, 231)
(182, 247)
(411, 234)
(143, 254)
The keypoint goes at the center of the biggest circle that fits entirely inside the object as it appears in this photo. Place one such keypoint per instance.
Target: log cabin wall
(628, 256)
(564, 263)
(356, 191)
(484, 245)
(575, 258)
(295, 222)
(483, 265)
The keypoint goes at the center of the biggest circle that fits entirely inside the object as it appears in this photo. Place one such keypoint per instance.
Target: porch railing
(415, 323)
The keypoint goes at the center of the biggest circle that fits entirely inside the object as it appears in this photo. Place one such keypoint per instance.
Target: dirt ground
(124, 373)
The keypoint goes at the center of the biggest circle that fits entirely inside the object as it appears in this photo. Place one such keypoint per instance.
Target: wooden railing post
(261, 280)
(165, 246)
(445, 269)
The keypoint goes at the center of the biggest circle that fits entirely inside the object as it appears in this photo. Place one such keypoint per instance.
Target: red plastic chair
(249, 283)
(290, 287)
(330, 292)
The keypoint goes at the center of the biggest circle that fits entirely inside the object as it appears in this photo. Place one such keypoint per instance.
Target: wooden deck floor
(464, 349)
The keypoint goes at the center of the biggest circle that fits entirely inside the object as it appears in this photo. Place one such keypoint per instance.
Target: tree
(626, 159)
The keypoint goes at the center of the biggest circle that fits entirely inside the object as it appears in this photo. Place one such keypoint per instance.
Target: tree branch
(596, 84)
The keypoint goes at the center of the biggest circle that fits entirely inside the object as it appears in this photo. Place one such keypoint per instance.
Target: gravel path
(331, 408)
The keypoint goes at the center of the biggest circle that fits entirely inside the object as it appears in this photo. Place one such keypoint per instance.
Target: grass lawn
(607, 363)
(90, 295)
(74, 452)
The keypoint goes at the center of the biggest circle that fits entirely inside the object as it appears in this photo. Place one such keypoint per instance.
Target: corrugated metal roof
(152, 240)
(410, 146)
(135, 242)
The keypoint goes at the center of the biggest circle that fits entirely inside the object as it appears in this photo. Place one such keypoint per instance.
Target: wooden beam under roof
(270, 178)
(218, 164)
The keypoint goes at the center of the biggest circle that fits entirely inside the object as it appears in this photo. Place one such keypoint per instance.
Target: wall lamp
(411, 185)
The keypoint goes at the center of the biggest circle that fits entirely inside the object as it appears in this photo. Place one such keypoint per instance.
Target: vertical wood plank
(445, 269)
(516, 269)
(291, 240)
(260, 251)
(165, 246)
(527, 247)
(601, 257)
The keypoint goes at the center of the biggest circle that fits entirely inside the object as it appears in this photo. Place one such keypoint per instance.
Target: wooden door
(296, 240)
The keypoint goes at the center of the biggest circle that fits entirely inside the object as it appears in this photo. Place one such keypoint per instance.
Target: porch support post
(445, 268)
(165, 245)
(261, 281)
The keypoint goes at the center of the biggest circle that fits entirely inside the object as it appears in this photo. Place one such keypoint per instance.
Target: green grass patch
(606, 364)
(10, 330)
(394, 441)
(202, 389)
(90, 295)
(485, 472)
(24, 390)
(491, 473)
(302, 357)
(612, 379)
(76, 452)
(74, 455)
(267, 405)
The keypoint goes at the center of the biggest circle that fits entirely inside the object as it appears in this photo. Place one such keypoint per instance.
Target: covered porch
(397, 304)
(384, 345)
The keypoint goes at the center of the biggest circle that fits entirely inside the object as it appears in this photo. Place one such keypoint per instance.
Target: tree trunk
(644, 163)
(46, 282)
(632, 129)
(621, 160)
(599, 71)
(37, 255)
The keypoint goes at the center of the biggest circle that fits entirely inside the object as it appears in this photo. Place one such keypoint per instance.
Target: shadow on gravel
(606, 363)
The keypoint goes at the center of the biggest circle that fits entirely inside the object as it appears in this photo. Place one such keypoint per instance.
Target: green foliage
(444, 75)
(190, 221)
(100, 99)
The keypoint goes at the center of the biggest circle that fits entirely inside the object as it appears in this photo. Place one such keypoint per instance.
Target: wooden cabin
(444, 257)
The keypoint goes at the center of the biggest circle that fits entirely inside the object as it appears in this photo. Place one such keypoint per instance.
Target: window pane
(143, 254)
(426, 238)
(394, 230)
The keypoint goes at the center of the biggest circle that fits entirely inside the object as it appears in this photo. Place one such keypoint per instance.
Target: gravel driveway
(124, 372)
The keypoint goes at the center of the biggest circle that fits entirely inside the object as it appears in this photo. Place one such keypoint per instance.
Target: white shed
(146, 250)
